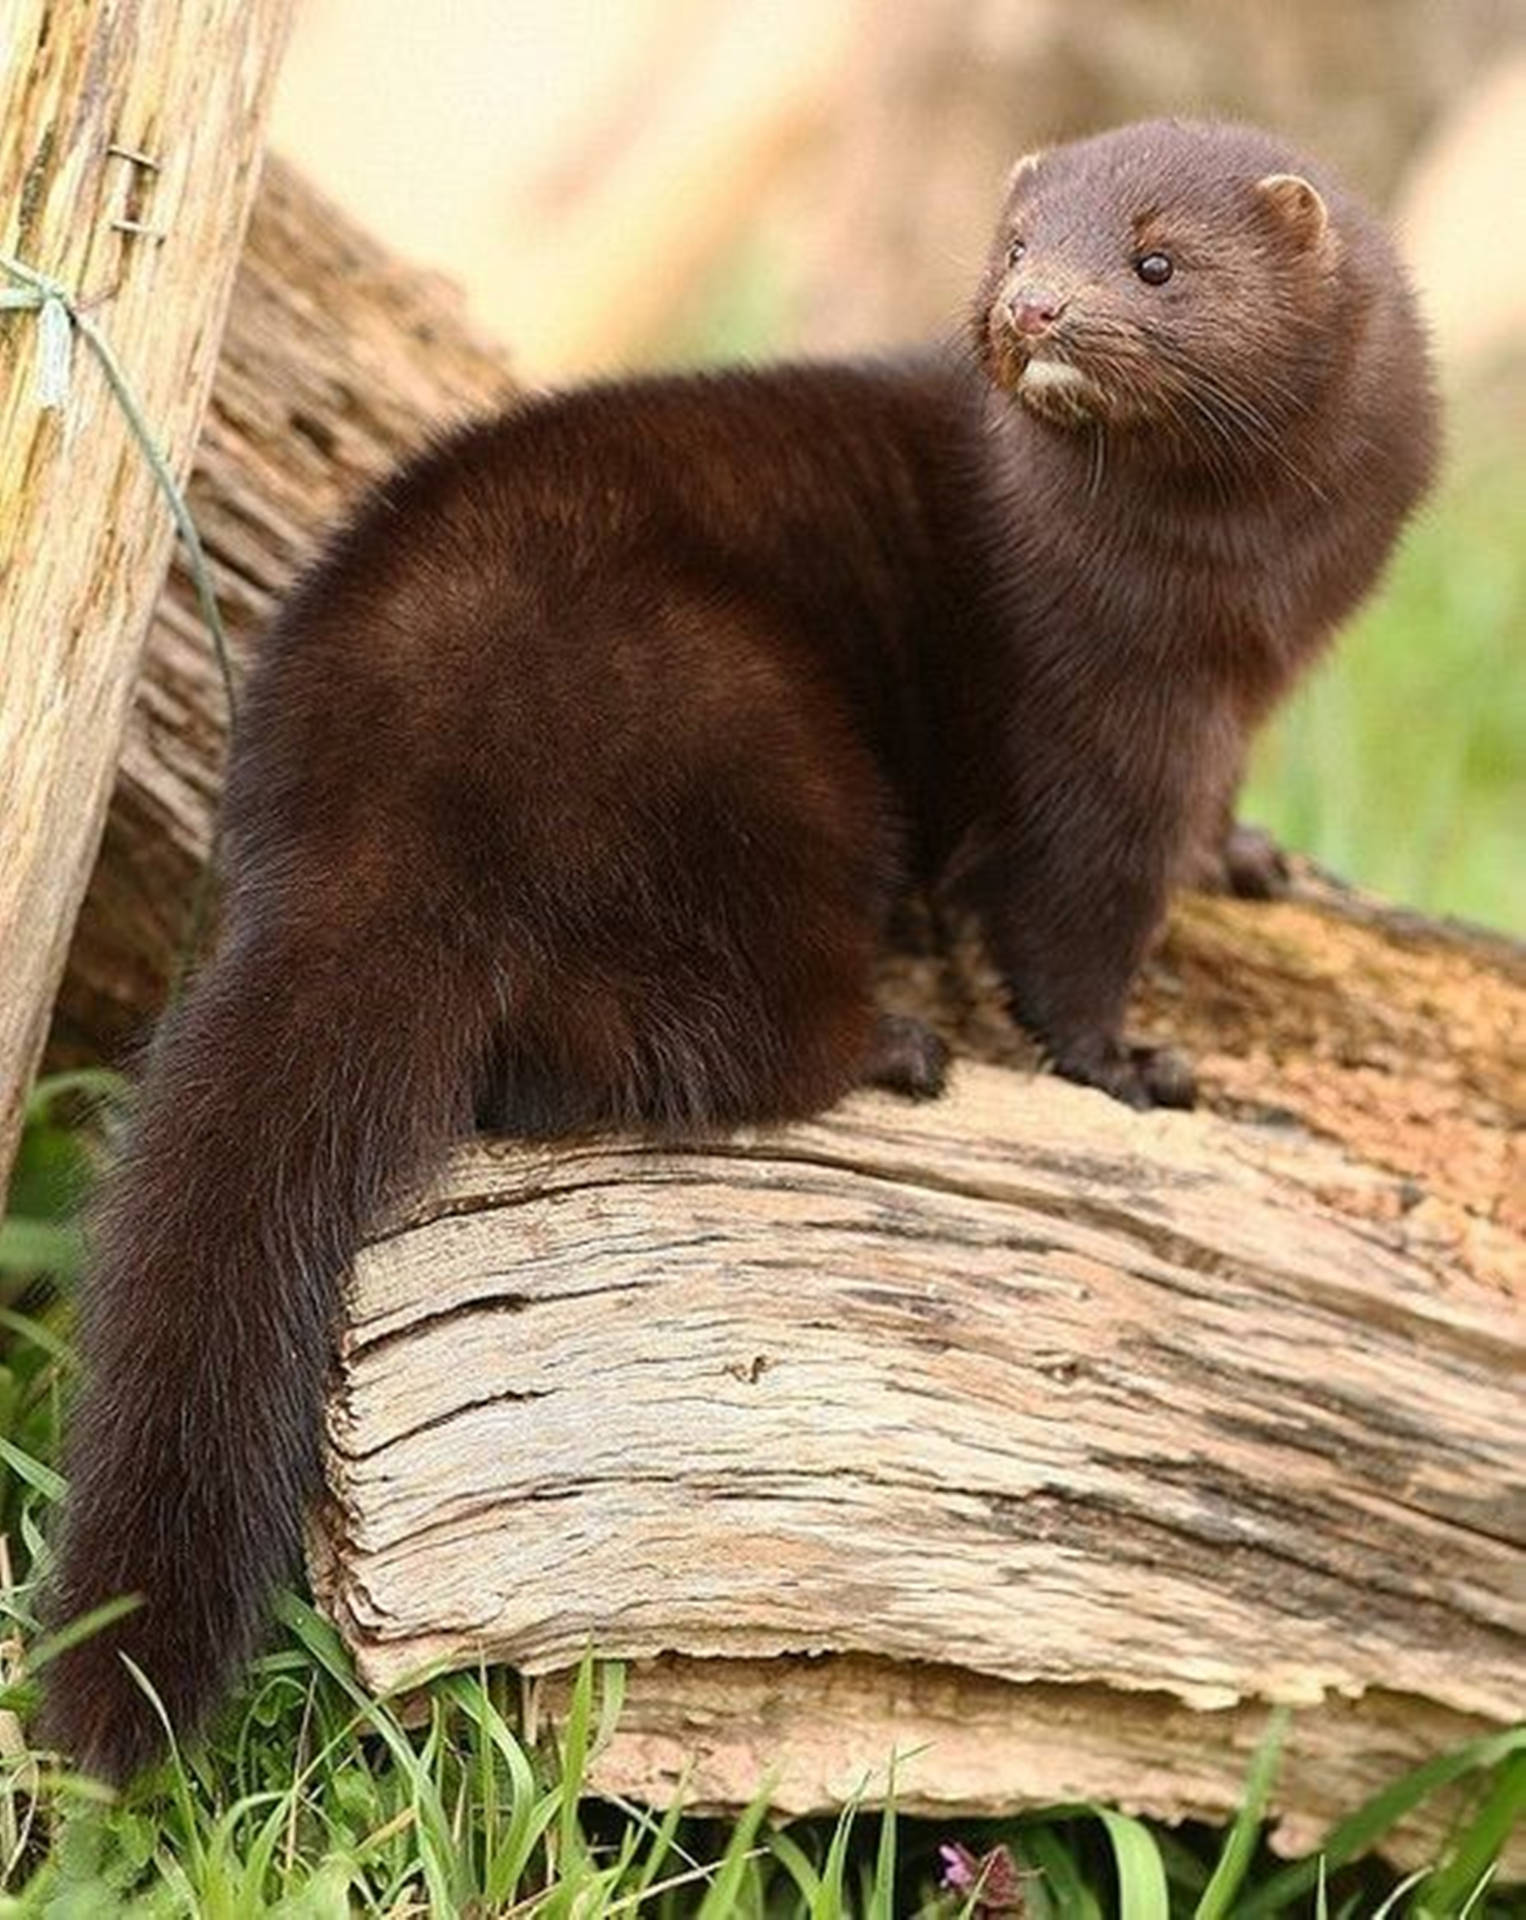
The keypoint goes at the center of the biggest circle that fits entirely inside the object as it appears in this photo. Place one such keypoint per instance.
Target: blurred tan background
(595, 175)
(650, 181)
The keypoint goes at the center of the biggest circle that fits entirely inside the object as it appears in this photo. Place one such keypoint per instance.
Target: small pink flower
(992, 1877)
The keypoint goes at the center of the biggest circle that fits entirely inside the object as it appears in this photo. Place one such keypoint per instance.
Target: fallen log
(1051, 1440)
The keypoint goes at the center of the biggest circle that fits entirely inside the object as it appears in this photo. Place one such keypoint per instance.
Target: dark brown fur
(577, 779)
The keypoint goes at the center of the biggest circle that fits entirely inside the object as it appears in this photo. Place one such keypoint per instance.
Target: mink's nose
(1034, 310)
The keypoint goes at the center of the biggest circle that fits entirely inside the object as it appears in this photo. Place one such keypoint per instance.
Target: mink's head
(1175, 278)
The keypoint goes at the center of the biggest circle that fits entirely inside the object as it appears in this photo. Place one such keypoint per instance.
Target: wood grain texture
(84, 535)
(824, 1730)
(336, 362)
(1018, 1388)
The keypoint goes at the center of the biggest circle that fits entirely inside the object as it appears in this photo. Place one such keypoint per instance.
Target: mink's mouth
(1041, 375)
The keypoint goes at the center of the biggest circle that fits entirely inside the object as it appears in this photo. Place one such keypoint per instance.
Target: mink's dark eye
(1154, 269)
(1015, 251)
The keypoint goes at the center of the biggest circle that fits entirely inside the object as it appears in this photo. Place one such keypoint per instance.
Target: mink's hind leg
(517, 1095)
(694, 947)
(745, 1000)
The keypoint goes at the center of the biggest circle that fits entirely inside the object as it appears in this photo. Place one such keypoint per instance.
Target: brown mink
(575, 781)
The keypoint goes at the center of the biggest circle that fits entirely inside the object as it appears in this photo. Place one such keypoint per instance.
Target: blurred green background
(1401, 762)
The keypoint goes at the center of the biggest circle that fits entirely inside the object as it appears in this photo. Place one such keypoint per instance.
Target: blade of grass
(611, 1704)
(721, 1896)
(1360, 1832)
(663, 1842)
(435, 1841)
(73, 1631)
(796, 1862)
(26, 1327)
(530, 1812)
(40, 1246)
(1063, 1884)
(180, 1783)
(1240, 1841)
(1476, 1895)
(100, 1083)
(574, 1759)
(881, 1907)
(1479, 1846)
(1141, 1873)
(1406, 1885)
(828, 1903)
(51, 1485)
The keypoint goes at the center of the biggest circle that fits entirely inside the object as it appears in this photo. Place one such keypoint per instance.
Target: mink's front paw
(1255, 867)
(906, 1057)
(1165, 1075)
(1246, 863)
(1139, 1076)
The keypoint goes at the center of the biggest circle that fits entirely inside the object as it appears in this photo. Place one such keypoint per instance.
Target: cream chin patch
(1057, 388)
(1054, 376)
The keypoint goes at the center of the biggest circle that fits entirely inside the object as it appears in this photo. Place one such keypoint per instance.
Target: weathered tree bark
(1074, 1436)
(1071, 1437)
(336, 361)
(85, 535)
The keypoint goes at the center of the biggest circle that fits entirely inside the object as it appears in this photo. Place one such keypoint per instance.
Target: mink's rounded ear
(1023, 167)
(1298, 207)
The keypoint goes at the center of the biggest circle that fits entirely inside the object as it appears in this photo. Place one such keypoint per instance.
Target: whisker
(1098, 458)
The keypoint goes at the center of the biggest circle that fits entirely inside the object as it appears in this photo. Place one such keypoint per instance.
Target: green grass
(1401, 762)
(314, 1799)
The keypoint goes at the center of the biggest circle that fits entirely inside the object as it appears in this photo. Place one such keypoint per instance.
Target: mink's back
(536, 612)
(629, 688)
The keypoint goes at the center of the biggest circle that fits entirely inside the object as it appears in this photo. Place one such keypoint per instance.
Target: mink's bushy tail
(294, 1097)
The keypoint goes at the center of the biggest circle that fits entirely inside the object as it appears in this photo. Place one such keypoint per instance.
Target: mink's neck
(1141, 489)
(1236, 571)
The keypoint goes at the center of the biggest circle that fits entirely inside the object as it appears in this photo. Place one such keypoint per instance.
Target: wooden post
(129, 143)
